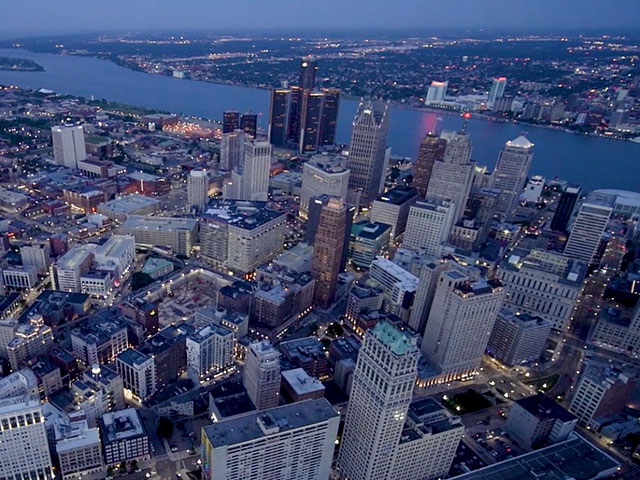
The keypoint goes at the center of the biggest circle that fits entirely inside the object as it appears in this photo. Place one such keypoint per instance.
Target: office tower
(602, 391)
(255, 172)
(329, 119)
(428, 225)
(368, 240)
(124, 437)
(197, 189)
(31, 340)
(537, 419)
(497, 91)
(232, 149)
(533, 189)
(66, 272)
(36, 255)
(249, 123)
(587, 230)
(482, 207)
(451, 177)
(392, 208)
(328, 249)
(138, 372)
(436, 92)
(564, 210)
(382, 390)
(291, 442)
(178, 234)
(399, 286)
(323, 175)
(98, 339)
(316, 206)
(230, 121)
(261, 376)
(518, 338)
(98, 391)
(368, 150)
(24, 449)
(429, 275)
(511, 172)
(279, 112)
(210, 350)
(462, 316)
(310, 121)
(431, 149)
(68, 145)
(78, 447)
(542, 283)
(308, 71)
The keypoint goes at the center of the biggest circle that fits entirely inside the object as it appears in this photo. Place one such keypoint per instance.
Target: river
(593, 162)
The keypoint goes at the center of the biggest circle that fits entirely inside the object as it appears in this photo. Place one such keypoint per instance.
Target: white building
(123, 207)
(291, 442)
(124, 437)
(436, 92)
(116, 255)
(428, 225)
(518, 338)
(98, 391)
(79, 449)
(178, 234)
(511, 172)
(587, 230)
(323, 174)
(533, 189)
(24, 449)
(262, 375)
(20, 276)
(37, 255)
(210, 350)
(197, 189)
(497, 91)
(382, 390)
(232, 150)
(66, 272)
(462, 316)
(68, 145)
(138, 372)
(255, 171)
(399, 286)
(392, 208)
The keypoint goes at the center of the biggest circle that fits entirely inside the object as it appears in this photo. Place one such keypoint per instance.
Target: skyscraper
(452, 175)
(316, 205)
(436, 92)
(310, 121)
(68, 145)
(249, 123)
(197, 188)
(587, 229)
(279, 112)
(368, 150)
(230, 121)
(428, 225)
(308, 70)
(255, 172)
(323, 175)
(382, 390)
(328, 249)
(511, 172)
(262, 375)
(431, 149)
(565, 207)
(329, 120)
(232, 149)
(497, 91)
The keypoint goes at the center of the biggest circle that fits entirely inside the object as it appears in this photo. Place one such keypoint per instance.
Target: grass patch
(544, 384)
(467, 402)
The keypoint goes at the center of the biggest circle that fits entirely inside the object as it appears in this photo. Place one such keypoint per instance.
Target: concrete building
(232, 149)
(251, 180)
(178, 234)
(399, 286)
(436, 92)
(124, 437)
(323, 174)
(121, 208)
(291, 442)
(462, 316)
(533, 189)
(382, 390)
(586, 232)
(511, 172)
(68, 145)
(368, 156)
(428, 225)
(66, 272)
(138, 373)
(79, 450)
(37, 255)
(210, 350)
(307, 353)
(518, 338)
(368, 240)
(197, 188)
(30, 340)
(116, 255)
(497, 91)
(97, 340)
(99, 390)
(20, 277)
(537, 419)
(392, 208)
(298, 386)
(564, 210)
(262, 375)
(431, 150)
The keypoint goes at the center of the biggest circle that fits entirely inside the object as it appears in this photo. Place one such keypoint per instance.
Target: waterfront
(594, 162)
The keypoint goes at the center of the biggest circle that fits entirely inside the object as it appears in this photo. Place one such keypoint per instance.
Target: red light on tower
(466, 115)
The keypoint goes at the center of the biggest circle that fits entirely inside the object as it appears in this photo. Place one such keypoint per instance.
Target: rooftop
(129, 203)
(121, 425)
(397, 341)
(154, 264)
(369, 230)
(159, 224)
(398, 195)
(520, 142)
(543, 407)
(302, 382)
(239, 213)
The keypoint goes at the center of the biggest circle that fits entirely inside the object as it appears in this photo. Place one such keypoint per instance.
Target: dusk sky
(45, 16)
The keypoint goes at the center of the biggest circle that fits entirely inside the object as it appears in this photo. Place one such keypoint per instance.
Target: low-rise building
(124, 437)
(307, 353)
(20, 277)
(99, 339)
(298, 385)
(179, 234)
(123, 207)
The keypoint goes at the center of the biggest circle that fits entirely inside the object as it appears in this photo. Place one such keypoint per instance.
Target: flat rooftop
(397, 195)
(129, 203)
(239, 213)
(121, 425)
(159, 224)
(301, 382)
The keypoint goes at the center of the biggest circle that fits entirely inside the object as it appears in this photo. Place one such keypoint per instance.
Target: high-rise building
(518, 338)
(37, 255)
(328, 250)
(511, 172)
(329, 120)
(392, 208)
(31, 340)
(368, 150)
(399, 286)
(210, 350)
(382, 390)
(24, 449)
(232, 149)
(310, 121)
(431, 150)
(291, 442)
(255, 172)
(98, 391)
(451, 177)
(308, 71)
(66, 272)
(316, 205)
(587, 230)
(428, 225)
(429, 274)
(68, 145)
(462, 316)
(197, 189)
(564, 210)
(323, 175)
(497, 91)
(138, 372)
(249, 123)
(436, 92)
(279, 113)
(262, 375)
(230, 121)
